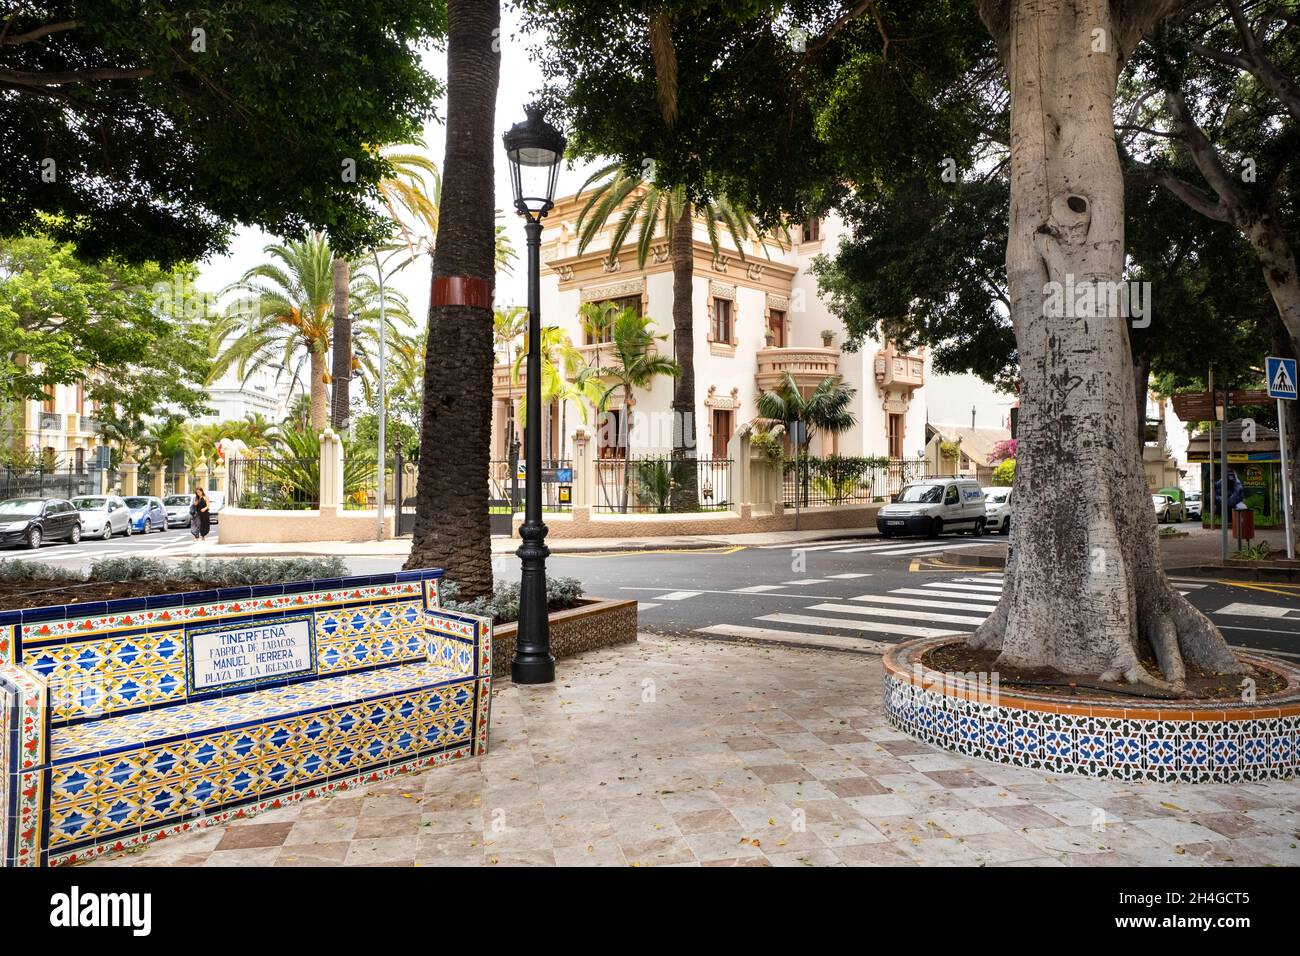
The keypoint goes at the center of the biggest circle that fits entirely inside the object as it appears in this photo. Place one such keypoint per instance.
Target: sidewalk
(400, 547)
(688, 752)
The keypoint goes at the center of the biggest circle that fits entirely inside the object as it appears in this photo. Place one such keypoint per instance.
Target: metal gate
(406, 479)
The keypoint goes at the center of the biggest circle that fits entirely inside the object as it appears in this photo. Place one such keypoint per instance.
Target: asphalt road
(857, 594)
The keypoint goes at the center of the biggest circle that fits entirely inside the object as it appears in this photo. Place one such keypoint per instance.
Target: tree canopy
(149, 130)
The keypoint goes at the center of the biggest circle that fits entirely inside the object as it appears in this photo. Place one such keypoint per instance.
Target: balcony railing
(808, 365)
(899, 368)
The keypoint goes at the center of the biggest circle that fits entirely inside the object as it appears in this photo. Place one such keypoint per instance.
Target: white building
(233, 398)
(755, 319)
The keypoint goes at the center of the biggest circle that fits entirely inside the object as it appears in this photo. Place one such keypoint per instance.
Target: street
(856, 594)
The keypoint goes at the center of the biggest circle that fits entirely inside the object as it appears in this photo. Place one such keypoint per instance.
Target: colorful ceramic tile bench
(130, 720)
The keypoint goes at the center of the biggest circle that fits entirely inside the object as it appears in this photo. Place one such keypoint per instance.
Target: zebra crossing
(885, 548)
(871, 622)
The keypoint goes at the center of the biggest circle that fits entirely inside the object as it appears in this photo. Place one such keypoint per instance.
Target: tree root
(1178, 633)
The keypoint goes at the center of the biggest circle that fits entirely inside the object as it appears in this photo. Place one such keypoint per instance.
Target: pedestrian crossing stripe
(875, 627)
(913, 602)
(866, 610)
(964, 595)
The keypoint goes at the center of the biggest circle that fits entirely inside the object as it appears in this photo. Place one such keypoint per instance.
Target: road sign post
(1282, 386)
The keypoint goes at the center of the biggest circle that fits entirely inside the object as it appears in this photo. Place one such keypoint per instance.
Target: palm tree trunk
(451, 521)
(684, 496)
(342, 337)
(624, 426)
(319, 402)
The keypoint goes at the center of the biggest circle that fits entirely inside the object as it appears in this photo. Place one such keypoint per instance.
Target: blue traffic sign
(1281, 377)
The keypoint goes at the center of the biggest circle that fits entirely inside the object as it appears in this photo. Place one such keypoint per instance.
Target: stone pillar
(742, 477)
(182, 482)
(222, 474)
(201, 476)
(129, 470)
(158, 482)
(331, 472)
(584, 469)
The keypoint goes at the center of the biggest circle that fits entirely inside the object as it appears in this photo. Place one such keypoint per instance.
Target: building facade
(757, 317)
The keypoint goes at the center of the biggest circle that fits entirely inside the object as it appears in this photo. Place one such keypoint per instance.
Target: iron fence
(842, 480)
(66, 482)
(662, 484)
(506, 485)
(275, 483)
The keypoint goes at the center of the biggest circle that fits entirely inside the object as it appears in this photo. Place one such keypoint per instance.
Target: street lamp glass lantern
(534, 149)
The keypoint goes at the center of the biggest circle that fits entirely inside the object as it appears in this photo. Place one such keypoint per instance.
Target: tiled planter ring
(1126, 738)
(126, 721)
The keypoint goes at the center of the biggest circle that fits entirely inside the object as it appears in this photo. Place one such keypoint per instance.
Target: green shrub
(220, 573)
(16, 569)
(503, 606)
(1005, 473)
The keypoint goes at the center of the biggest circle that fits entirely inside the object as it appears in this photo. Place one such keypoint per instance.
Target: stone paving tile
(747, 757)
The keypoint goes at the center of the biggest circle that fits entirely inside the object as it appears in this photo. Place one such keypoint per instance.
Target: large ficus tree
(821, 108)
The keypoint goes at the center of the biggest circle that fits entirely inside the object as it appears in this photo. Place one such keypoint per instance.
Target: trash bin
(1243, 524)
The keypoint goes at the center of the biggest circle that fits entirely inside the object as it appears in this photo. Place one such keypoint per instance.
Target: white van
(931, 506)
(997, 509)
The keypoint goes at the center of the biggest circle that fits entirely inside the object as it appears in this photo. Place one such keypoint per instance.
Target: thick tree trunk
(451, 523)
(319, 398)
(342, 367)
(684, 496)
(1141, 383)
(1085, 587)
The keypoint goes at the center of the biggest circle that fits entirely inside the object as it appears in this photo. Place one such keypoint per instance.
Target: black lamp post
(534, 149)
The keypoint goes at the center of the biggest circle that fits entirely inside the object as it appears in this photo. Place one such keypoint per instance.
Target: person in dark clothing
(200, 516)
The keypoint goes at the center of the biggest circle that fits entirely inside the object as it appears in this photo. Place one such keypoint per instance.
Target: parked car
(103, 516)
(1167, 509)
(932, 506)
(216, 501)
(1193, 505)
(997, 509)
(147, 513)
(33, 521)
(178, 510)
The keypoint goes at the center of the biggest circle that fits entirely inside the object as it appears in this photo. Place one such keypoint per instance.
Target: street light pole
(534, 149)
(383, 398)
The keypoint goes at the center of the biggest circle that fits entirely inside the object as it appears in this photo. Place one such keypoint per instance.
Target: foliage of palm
(828, 407)
(284, 310)
(597, 321)
(562, 379)
(634, 363)
(289, 477)
(658, 478)
(652, 211)
(508, 327)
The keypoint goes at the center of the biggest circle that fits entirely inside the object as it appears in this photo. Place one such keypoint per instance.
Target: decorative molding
(721, 290)
(564, 272)
(618, 290)
(778, 303)
(659, 252)
(721, 261)
(754, 270)
(722, 402)
(611, 264)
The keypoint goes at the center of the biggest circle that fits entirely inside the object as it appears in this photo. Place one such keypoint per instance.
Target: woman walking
(200, 518)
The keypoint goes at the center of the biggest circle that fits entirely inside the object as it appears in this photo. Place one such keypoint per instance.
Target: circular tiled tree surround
(1127, 738)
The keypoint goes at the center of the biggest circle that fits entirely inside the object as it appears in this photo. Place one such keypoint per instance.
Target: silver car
(103, 516)
(178, 510)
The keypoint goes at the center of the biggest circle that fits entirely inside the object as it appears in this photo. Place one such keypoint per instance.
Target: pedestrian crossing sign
(1281, 377)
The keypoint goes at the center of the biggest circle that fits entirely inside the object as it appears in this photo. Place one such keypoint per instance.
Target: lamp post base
(533, 670)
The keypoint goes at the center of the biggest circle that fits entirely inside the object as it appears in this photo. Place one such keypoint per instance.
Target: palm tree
(651, 210)
(451, 522)
(284, 316)
(635, 363)
(562, 379)
(286, 305)
(828, 407)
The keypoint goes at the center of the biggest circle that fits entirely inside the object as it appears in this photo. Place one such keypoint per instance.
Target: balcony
(503, 385)
(808, 366)
(899, 369)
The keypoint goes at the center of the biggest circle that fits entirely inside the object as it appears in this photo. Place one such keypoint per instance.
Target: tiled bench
(126, 723)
